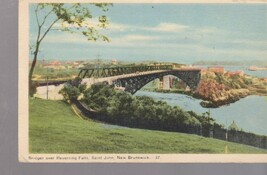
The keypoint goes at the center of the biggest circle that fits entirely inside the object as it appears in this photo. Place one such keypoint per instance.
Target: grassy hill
(55, 128)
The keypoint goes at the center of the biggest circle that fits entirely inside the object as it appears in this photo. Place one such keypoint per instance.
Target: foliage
(71, 17)
(224, 88)
(74, 18)
(206, 121)
(143, 112)
(72, 90)
(97, 96)
(209, 89)
(233, 126)
(69, 92)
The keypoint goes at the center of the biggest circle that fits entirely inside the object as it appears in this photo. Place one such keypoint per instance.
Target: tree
(72, 17)
(72, 89)
(233, 126)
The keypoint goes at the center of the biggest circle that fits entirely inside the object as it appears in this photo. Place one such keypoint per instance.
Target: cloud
(249, 41)
(162, 27)
(170, 39)
(64, 37)
(168, 27)
(140, 38)
(119, 27)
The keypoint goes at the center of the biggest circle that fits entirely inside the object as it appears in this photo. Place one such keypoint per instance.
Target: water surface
(249, 113)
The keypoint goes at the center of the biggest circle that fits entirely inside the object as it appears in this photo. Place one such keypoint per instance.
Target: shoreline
(242, 93)
(205, 103)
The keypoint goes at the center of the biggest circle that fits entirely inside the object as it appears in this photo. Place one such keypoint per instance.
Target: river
(249, 113)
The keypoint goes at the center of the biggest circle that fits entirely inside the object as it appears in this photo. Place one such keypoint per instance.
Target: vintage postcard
(142, 81)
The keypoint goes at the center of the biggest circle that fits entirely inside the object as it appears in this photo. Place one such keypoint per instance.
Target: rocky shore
(225, 98)
(221, 90)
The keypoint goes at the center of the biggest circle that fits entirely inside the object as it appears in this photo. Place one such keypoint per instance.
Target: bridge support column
(166, 82)
(160, 83)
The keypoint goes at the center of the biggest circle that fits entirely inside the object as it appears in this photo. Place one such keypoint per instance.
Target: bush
(72, 90)
(122, 108)
(70, 93)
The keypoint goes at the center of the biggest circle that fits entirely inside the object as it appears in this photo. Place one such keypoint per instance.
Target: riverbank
(255, 68)
(231, 97)
(249, 113)
(220, 89)
(226, 98)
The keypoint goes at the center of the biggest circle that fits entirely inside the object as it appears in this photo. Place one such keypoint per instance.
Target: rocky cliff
(219, 89)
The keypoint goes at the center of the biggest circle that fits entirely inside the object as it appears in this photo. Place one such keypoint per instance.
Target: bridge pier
(165, 82)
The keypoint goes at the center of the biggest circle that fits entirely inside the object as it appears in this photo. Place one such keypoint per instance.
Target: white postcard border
(23, 112)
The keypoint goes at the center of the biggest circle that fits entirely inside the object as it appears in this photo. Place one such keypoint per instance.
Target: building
(235, 73)
(203, 71)
(216, 69)
(114, 62)
(176, 65)
(54, 65)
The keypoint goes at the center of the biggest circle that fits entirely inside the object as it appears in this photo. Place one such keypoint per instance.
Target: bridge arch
(133, 84)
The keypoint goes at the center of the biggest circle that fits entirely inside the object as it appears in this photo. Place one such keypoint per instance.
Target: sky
(183, 33)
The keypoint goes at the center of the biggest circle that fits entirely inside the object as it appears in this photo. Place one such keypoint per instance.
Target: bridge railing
(120, 70)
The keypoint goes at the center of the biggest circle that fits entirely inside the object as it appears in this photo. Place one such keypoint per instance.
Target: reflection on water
(249, 113)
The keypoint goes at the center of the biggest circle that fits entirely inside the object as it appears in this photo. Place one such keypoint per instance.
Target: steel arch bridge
(120, 70)
(135, 83)
(134, 78)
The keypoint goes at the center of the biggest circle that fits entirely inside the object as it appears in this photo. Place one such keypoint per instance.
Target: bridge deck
(93, 80)
(120, 70)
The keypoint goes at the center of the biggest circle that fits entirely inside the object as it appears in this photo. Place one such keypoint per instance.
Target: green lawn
(55, 128)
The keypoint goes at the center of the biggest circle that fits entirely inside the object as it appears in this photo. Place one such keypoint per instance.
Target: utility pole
(46, 82)
(98, 64)
(226, 139)
(212, 129)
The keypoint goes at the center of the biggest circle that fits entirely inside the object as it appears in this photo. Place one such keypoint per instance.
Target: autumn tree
(69, 17)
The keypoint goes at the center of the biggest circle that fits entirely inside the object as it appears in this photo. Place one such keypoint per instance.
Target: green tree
(72, 17)
(72, 90)
(98, 96)
(69, 93)
(233, 126)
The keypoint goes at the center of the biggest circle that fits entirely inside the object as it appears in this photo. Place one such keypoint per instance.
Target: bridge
(133, 78)
(115, 71)
(128, 78)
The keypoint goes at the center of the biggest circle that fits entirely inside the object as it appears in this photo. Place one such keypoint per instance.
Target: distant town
(58, 69)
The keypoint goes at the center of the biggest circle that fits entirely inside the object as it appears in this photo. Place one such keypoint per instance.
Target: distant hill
(234, 63)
